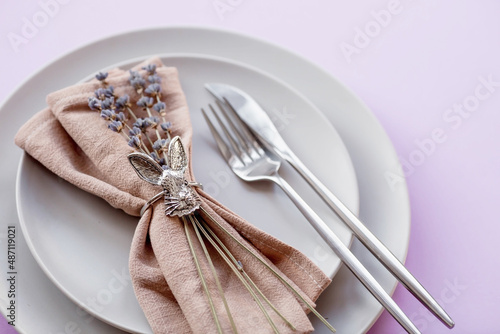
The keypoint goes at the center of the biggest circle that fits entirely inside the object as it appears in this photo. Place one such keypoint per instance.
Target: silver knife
(262, 126)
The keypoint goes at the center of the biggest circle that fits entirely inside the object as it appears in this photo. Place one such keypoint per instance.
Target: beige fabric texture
(73, 142)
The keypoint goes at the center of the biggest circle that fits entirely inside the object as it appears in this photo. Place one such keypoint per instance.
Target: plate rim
(21, 205)
(291, 56)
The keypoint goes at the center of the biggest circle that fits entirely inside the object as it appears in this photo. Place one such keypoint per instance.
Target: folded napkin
(74, 142)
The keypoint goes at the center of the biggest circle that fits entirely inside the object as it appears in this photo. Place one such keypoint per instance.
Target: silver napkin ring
(159, 195)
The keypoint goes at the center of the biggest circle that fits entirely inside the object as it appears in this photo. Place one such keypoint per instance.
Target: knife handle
(347, 257)
(370, 241)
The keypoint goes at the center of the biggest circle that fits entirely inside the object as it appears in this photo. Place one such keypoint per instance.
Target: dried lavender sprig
(110, 102)
(137, 81)
(94, 103)
(159, 160)
(123, 102)
(239, 265)
(143, 125)
(117, 126)
(214, 272)
(135, 135)
(106, 91)
(236, 271)
(150, 142)
(147, 102)
(153, 89)
(150, 68)
(202, 277)
(297, 294)
(108, 99)
(108, 108)
(111, 106)
(161, 108)
(131, 112)
(137, 143)
(154, 78)
(117, 123)
(102, 76)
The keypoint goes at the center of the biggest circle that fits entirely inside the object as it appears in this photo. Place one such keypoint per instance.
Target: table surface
(429, 72)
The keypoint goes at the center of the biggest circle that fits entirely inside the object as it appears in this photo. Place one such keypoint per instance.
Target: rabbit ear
(147, 169)
(177, 159)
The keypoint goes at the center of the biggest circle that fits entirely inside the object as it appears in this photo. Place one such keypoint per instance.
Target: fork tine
(225, 150)
(238, 132)
(250, 139)
(243, 155)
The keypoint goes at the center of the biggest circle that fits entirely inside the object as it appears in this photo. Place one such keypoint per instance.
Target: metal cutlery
(259, 123)
(251, 162)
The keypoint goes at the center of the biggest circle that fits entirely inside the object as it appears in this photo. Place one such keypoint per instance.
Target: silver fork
(251, 162)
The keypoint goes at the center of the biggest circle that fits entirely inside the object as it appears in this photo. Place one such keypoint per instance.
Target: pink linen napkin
(74, 142)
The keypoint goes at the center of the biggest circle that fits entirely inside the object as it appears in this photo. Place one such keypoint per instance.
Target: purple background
(427, 58)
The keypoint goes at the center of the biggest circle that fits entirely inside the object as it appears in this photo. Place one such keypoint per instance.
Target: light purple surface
(428, 58)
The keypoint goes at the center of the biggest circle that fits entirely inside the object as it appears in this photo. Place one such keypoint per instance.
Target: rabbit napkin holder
(182, 200)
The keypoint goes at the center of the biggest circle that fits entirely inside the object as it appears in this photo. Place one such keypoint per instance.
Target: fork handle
(367, 238)
(347, 256)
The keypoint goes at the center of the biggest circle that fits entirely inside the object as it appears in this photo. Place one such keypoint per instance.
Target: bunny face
(180, 198)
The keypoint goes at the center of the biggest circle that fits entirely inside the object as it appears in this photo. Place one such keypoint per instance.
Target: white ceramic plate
(42, 308)
(83, 244)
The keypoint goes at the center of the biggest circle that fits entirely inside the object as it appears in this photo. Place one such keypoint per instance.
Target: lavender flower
(154, 156)
(137, 81)
(160, 144)
(134, 74)
(94, 103)
(101, 76)
(154, 89)
(160, 107)
(135, 131)
(166, 126)
(102, 93)
(151, 68)
(138, 84)
(159, 160)
(115, 126)
(154, 78)
(108, 103)
(134, 142)
(112, 109)
(120, 117)
(142, 124)
(108, 114)
(145, 102)
(122, 102)
(153, 121)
